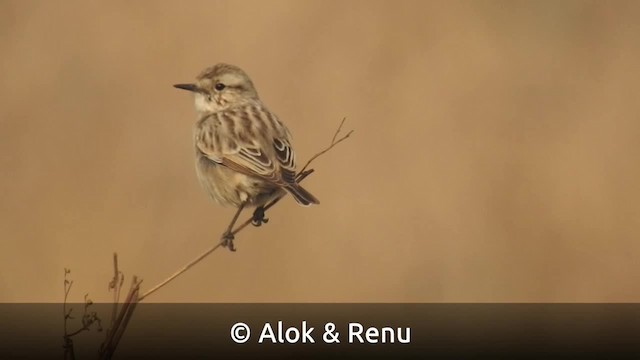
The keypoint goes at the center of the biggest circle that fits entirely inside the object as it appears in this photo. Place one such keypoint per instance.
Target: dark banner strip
(195, 331)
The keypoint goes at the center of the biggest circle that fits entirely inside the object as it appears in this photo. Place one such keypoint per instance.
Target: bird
(243, 151)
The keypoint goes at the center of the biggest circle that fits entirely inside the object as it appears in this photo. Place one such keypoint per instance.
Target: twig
(120, 324)
(183, 269)
(88, 318)
(115, 284)
(302, 174)
(209, 251)
(67, 289)
(333, 143)
(69, 352)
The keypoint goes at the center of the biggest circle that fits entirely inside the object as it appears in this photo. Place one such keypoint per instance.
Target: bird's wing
(242, 147)
(286, 158)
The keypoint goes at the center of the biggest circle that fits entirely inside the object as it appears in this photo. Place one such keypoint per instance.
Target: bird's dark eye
(220, 86)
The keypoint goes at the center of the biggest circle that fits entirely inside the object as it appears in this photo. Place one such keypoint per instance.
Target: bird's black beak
(189, 87)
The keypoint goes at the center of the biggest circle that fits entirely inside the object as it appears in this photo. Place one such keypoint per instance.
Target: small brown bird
(243, 151)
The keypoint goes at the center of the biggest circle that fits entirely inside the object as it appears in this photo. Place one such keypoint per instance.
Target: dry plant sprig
(89, 318)
(115, 285)
(301, 175)
(119, 323)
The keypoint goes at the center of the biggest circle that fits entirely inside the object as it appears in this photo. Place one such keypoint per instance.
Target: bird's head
(220, 87)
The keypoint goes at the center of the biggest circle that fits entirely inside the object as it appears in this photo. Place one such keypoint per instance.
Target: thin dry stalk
(115, 285)
(88, 319)
(69, 353)
(299, 177)
(122, 320)
(333, 143)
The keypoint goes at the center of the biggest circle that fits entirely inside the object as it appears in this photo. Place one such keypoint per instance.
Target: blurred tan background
(495, 153)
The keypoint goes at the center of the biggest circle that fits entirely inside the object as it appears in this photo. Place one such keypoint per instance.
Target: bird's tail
(302, 196)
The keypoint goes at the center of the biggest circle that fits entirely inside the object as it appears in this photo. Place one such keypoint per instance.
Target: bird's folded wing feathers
(248, 157)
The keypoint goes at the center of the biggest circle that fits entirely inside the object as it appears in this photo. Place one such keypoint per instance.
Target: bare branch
(89, 318)
(299, 177)
(114, 285)
(67, 289)
(333, 143)
(115, 334)
(183, 269)
(69, 352)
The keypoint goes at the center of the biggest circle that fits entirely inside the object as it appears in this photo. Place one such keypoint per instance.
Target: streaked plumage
(243, 151)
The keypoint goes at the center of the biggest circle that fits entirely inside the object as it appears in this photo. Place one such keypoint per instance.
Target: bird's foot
(258, 217)
(227, 241)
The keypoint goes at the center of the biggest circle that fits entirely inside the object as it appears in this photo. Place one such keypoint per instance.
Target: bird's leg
(227, 237)
(258, 216)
